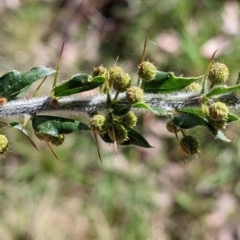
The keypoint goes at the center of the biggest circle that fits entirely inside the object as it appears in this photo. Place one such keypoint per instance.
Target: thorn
(144, 50)
(116, 61)
(50, 147)
(212, 58)
(97, 145)
(58, 69)
(115, 148)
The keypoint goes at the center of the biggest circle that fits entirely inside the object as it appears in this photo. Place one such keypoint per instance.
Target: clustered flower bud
(193, 87)
(218, 124)
(56, 140)
(218, 73)
(122, 83)
(189, 145)
(99, 71)
(218, 111)
(218, 114)
(147, 71)
(115, 73)
(171, 127)
(99, 124)
(130, 119)
(120, 133)
(3, 144)
(134, 94)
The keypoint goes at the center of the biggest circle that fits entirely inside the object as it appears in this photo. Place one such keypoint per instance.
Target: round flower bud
(115, 72)
(122, 83)
(218, 124)
(134, 94)
(189, 145)
(3, 144)
(99, 71)
(57, 140)
(99, 124)
(218, 73)
(120, 133)
(130, 119)
(147, 71)
(41, 136)
(218, 111)
(193, 87)
(171, 127)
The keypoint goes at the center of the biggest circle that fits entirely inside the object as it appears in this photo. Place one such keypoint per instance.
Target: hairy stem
(88, 105)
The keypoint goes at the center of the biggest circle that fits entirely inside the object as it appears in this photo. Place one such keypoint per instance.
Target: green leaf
(134, 138)
(232, 118)
(14, 83)
(78, 83)
(57, 125)
(20, 128)
(218, 134)
(167, 82)
(223, 90)
(105, 137)
(188, 120)
(155, 110)
(192, 110)
(120, 108)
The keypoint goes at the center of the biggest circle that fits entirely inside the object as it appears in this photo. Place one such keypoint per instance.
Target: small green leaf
(232, 118)
(14, 83)
(218, 134)
(155, 110)
(19, 127)
(135, 138)
(223, 90)
(120, 108)
(105, 137)
(167, 82)
(78, 83)
(188, 120)
(57, 125)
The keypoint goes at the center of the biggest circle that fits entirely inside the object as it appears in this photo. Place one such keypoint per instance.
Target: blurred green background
(141, 193)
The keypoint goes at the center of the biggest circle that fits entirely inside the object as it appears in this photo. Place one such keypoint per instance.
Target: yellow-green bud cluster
(99, 71)
(189, 145)
(217, 124)
(3, 144)
(120, 133)
(119, 79)
(171, 127)
(218, 114)
(99, 124)
(56, 140)
(218, 111)
(147, 71)
(134, 94)
(218, 73)
(130, 119)
(193, 87)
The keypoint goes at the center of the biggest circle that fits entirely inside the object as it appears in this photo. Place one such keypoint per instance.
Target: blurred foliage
(139, 194)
